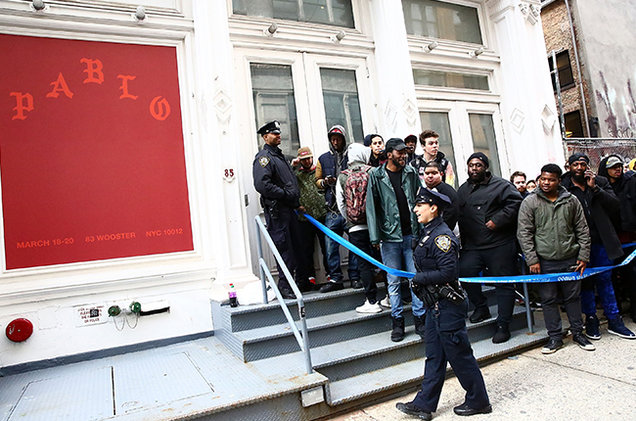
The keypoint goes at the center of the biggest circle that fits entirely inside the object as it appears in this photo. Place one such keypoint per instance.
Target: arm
(340, 197)
(582, 232)
(510, 200)
(525, 233)
(263, 181)
(372, 223)
(320, 181)
(446, 268)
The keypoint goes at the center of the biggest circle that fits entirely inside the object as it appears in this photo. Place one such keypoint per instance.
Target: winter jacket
(451, 213)
(601, 208)
(493, 199)
(274, 179)
(358, 156)
(311, 198)
(625, 189)
(330, 163)
(553, 230)
(448, 175)
(383, 214)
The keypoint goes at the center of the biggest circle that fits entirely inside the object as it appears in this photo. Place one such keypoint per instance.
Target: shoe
(582, 342)
(397, 334)
(331, 286)
(367, 307)
(592, 328)
(479, 315)
(465, 410)
(410, 409)
(287, 294)
(357, 284)
(552, 346)
(617, 327)
(420, 323)
(502, 334)
(385, 302)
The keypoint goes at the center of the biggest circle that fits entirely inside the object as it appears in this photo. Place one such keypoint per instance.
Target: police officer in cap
(278, 186)
(436, 261)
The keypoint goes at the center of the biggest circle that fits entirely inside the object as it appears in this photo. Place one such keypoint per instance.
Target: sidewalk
(570, 384)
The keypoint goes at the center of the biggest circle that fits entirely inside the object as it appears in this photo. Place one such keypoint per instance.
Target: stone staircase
(353, 351)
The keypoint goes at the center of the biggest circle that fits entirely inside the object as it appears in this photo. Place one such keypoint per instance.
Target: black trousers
(447, 341)
(285, 233)
(571, 294)
(308, 233)
(361, 240)
(495, 261)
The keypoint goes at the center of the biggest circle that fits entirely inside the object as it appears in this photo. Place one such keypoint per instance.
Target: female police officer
(436, 257)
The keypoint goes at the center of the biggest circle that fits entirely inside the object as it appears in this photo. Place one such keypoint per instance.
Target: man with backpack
(351, 195)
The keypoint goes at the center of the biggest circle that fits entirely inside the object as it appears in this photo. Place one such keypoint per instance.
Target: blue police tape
(534, 278)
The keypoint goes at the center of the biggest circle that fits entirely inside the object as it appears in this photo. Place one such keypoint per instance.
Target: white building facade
(473, 70)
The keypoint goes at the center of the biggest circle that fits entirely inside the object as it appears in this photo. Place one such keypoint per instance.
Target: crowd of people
(367, 191)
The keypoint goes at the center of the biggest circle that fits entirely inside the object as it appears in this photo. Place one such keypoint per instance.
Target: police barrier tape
(534, 278)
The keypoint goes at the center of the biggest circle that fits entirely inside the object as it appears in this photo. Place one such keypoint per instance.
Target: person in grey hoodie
(555, 238)
(358, 230)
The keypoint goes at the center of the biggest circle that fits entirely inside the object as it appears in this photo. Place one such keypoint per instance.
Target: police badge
(443, 242)
(263, 160)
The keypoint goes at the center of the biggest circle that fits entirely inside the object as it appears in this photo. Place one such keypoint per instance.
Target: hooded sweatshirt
(358, 159)
(331, 163)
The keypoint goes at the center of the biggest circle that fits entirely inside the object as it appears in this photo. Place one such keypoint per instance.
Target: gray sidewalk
(570, 384)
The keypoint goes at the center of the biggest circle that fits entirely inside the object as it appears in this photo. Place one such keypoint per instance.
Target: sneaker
(617, 327)
(466, 411)
(582, 342)
(385, 302)
(552, 346)
(357, 284)
(410, 409)
(331, 286)
(592, 328)
(367, 307)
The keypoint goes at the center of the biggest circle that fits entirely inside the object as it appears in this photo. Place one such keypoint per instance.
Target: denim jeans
(603, 284)
(400, 256)
(337, 224)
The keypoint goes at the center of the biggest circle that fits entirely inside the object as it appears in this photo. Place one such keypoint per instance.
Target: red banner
(91, 151)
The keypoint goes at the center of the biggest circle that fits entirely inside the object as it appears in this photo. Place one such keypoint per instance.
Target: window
(439, 122)
(329, 12)
(450, 79)
(437, 19)
(566, 80)
(573, 124)
(483, 134)
(273, 93)
(340, 95)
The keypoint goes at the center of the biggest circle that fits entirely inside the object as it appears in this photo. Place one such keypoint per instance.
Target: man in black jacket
(601, 208)
(280, 195)
(488, 208)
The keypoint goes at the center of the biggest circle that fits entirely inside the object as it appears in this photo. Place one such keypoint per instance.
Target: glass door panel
(482, 132)
(439, 122)
(340, 97)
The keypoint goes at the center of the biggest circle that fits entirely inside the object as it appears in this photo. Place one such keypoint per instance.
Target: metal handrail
(301, 336)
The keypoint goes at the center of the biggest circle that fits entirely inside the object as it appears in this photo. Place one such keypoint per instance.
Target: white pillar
(214, 79)
(529, 114)
(397, 104)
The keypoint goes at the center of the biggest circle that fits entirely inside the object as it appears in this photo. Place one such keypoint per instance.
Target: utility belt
(271, 206)
(432, 294)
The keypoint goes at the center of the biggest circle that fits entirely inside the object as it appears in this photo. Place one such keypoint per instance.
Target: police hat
(432, 197)
(271, 127)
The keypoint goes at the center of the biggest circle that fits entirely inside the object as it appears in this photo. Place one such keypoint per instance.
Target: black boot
(397, 334)
(419, 323)
(502, 334)
(480, 314)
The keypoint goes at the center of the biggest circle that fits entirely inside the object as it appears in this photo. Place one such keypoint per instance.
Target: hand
(580, 266)
(302, 209)
(590, 178)
(330, 180)
(295, 162)
(376, 246)
(491, 225)
(536, 268)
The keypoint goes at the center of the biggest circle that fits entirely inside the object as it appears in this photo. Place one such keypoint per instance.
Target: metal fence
(598, 148)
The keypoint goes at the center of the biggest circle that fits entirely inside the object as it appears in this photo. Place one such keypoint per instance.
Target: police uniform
(276, 182)
(436, 261)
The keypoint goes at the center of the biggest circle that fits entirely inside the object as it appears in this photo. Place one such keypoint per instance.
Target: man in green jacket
(391, 193)
(555, 238)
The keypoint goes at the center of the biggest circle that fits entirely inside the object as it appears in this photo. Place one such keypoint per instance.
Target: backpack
(355, 193)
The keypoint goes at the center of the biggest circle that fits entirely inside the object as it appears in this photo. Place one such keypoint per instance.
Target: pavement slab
(569, 384)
